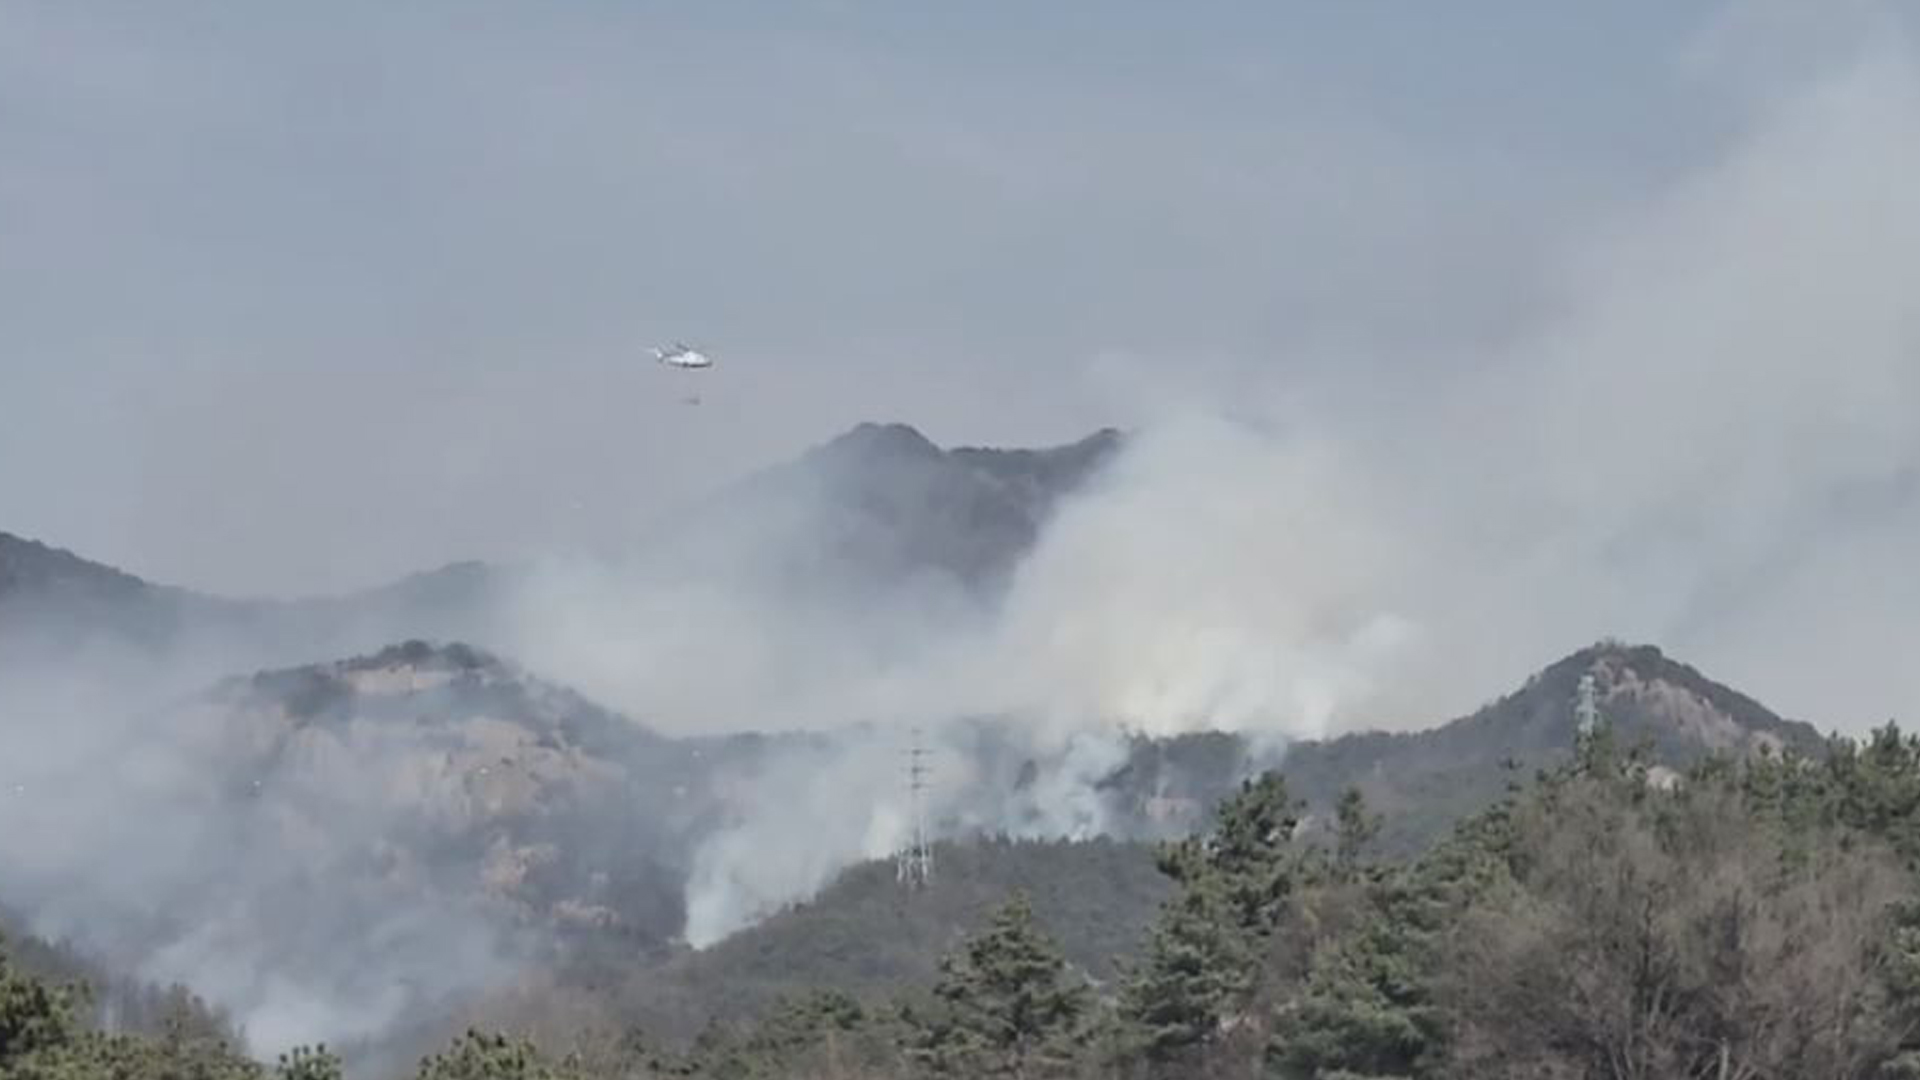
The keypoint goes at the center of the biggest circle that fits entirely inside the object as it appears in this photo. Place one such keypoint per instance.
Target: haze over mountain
(417, 778)
(867, 514)
(1443, 342)
(441, 801)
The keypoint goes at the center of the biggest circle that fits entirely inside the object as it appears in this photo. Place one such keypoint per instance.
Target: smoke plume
(1704, 436)
(1705, 440)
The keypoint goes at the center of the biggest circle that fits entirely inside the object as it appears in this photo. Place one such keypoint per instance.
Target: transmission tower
(914, 864)
(1586, 706)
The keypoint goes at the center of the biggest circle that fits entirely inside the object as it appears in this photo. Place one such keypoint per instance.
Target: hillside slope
(1425, 780)
(866, 935)
(64, 613)
(338, 844)
(53, 602)
(470, 775)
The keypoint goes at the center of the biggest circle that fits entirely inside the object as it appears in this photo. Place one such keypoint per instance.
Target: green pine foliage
(1200, 964)
(44, 1036)
(35, 1019)
(1005, 1004)
(1355, 830)
(1197, 970)
(1365, 1008)
(490, 1056)
(1247, 856)
(308, 1063)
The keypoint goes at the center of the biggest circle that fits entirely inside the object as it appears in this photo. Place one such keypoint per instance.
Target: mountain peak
(898, 506)
(899, 441)
(889, 440)
(453, 657)
(1645, 686)
(1645, 695)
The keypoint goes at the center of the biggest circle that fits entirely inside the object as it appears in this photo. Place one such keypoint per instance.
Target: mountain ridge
(861, 934)
(874, 506)
(420, 774)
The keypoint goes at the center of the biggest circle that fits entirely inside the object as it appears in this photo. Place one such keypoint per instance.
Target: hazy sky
(298, 297)
(304, 296)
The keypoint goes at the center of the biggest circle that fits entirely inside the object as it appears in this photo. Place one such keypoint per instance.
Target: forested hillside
(1424, 781)
(867, 936)
(1751, 917)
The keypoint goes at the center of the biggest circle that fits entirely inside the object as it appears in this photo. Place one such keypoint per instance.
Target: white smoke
(803, 815)
(1718, 403)
(1707, 441)
(1217, 578)
(172, 845)
(806, 811)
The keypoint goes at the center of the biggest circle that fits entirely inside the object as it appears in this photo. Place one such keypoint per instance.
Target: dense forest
(1753, 918)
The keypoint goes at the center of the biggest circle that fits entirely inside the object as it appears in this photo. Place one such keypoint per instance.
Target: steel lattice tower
(1586, 706)
(914, 864)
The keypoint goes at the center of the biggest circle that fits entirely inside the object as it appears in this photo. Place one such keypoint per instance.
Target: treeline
(112, 1001)
(53, 1031)
(1748, 920)
(1753, 920)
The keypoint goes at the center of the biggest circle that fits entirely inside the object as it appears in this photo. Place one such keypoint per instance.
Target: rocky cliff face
(472, 777)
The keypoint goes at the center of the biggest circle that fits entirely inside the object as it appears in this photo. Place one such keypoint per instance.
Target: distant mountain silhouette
(881, 504)
(53, 602)
(866, 510)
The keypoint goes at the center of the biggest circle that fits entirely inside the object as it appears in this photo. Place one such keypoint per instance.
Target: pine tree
(823, 1030)
(42, 1038)
(1005, 1004)
(1247, 856)
(480, 1056)
(308, 1063)
(34, 1017)
(1365, 1010)
(1355, 830)
(1197, 968)
(1201, 961)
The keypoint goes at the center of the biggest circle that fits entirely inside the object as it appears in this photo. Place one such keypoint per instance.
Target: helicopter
(683, 357)
(680, 355)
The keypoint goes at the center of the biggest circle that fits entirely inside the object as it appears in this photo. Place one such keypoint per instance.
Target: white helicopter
(681, 355)
(686, 358)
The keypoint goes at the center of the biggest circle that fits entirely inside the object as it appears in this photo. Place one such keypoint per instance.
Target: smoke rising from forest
(172, 841)
(1706, 441)
(1714, 405)
(1704, 437)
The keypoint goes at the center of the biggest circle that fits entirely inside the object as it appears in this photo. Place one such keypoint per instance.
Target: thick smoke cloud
(1715, 395)
(1704, 437)
(805, 812)
(1721, 400)
(264, 866)
(1219, 578)
(1706, 440)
